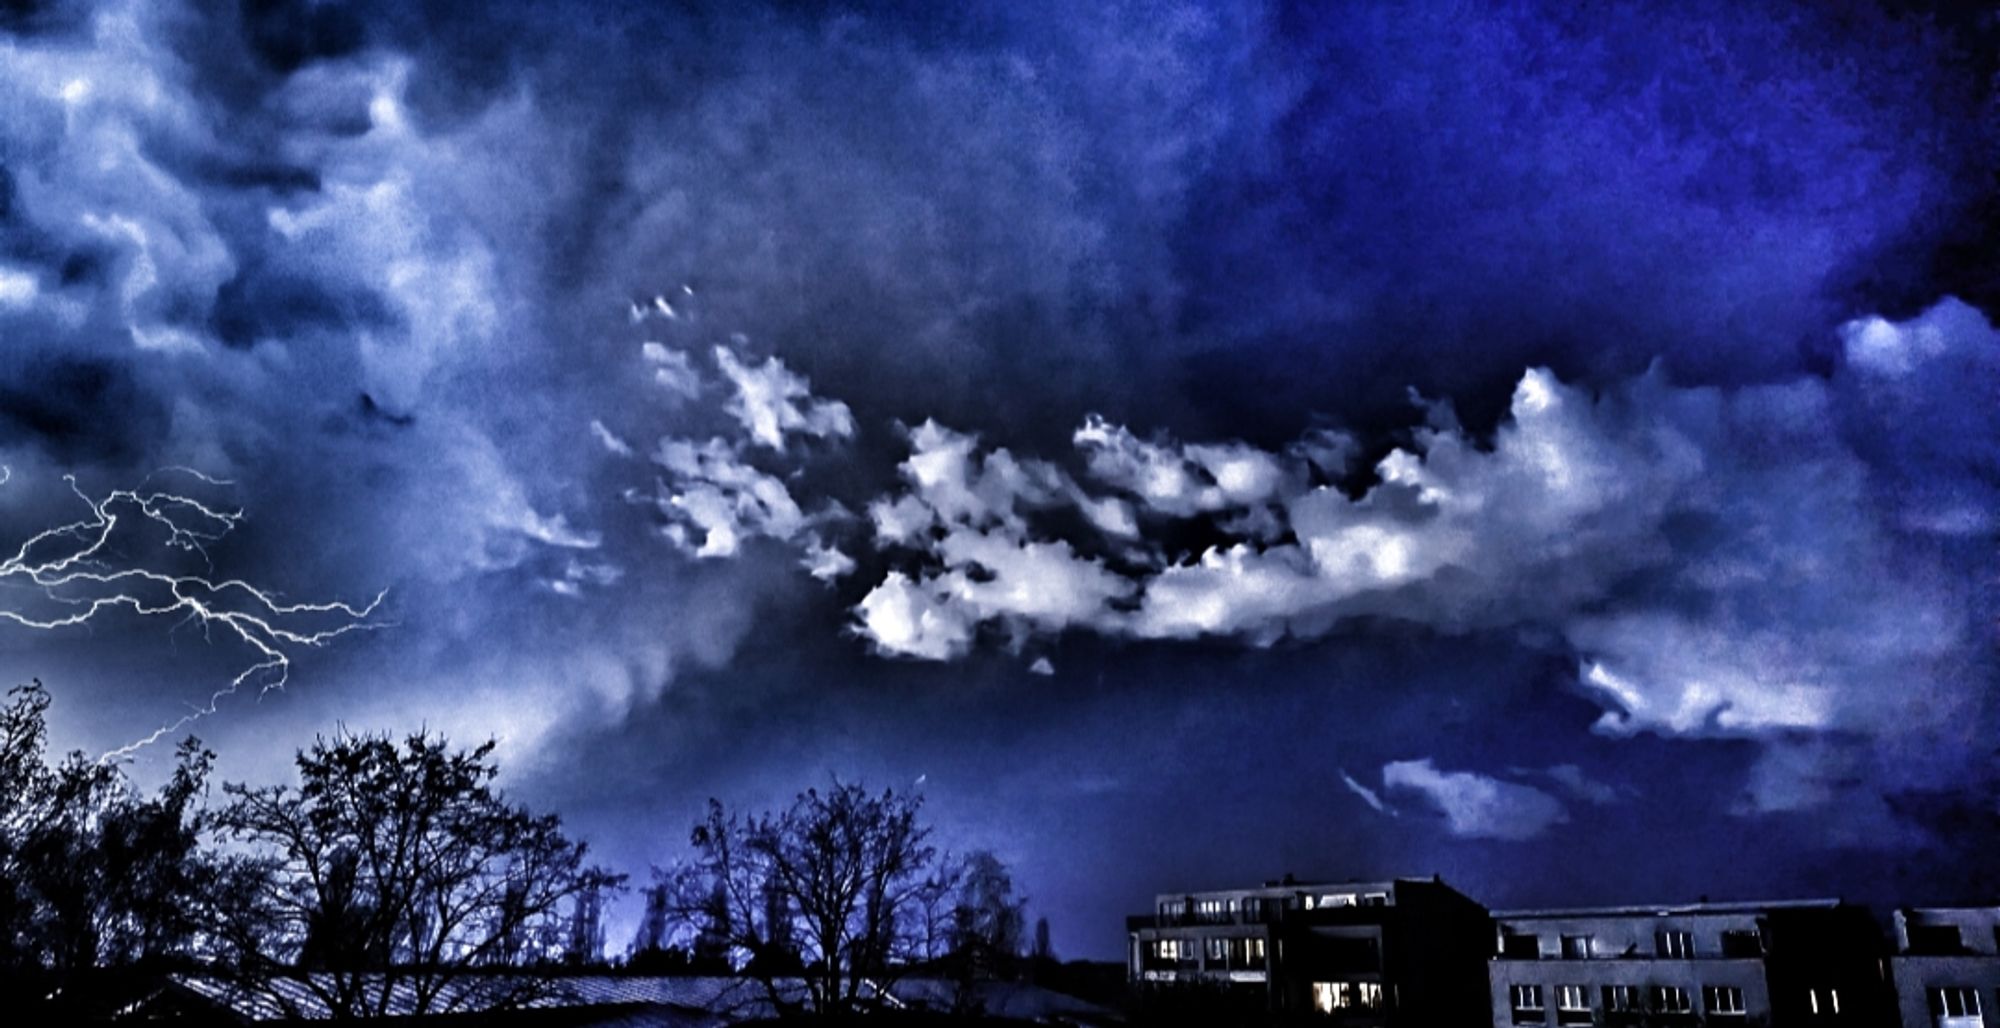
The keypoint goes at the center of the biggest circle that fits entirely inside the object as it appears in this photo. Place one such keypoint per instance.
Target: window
(1936, 939)
(1674, 945)
(1218, 950)
(1375, 899)
(1168, 949)
(1621, 997)
(1215, 909)
(1572, 1004)
(1671, 999)
(1520, 946)
(1743, 943)
(1722, 1000)
(1527, 1002)
(1331, 996)
(1576, 947)
(1823, 1001)
(1254, 949)
(1955, 1001)
(1253, 908)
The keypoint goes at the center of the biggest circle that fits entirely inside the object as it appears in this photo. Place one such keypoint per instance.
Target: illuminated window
(1527, 1003)
(1675, 945)
(1823, 1001)
(1218, 950)
(1672, 999)
(1331, 996)
(1255, 949)
(1169, 949)
(1621, 997)
(1955, 1001)
(1722, 999)
(1572, 1005)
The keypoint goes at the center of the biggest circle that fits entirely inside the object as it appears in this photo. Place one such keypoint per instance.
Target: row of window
(1331, 997)
(1955, 1001)
(1530, 1007)
(1254, 908)
(1245, 950)
(1671, 945)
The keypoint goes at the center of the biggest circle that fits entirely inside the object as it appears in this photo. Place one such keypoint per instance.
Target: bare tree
(396, 879)
(828, 890)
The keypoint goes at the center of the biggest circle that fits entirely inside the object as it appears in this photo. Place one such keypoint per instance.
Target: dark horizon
(1189, 443)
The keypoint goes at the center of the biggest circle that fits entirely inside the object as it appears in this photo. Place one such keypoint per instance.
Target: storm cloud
(1365, 371)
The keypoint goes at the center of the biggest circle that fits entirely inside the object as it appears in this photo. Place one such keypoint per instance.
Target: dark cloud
(375, 263)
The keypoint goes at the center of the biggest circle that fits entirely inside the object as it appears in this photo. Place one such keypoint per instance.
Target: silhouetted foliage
(399, 870)
(92, 873)
(831, 890)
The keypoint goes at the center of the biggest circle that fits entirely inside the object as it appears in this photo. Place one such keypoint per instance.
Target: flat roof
(1667, 909)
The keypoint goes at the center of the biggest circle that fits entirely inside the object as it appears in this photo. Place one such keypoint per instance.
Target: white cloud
(717, 493)
(903, 618)
(672, 371)
(773, 402)
(824, 561)
(1042, 666)
(1476, 806)
(610, 440)
(1179, 480)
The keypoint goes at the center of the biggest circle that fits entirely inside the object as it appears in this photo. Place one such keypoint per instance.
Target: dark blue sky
(1201, 442)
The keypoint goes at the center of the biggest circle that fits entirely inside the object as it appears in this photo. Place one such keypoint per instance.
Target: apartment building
(1777, 964)
(1947, 967)
(1398, 952)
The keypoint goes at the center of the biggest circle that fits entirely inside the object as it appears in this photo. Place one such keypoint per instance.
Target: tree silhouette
(397, 877)
(92, 873)
(828, 890)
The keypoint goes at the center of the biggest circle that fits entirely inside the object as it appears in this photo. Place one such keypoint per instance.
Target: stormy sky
(1195, 442)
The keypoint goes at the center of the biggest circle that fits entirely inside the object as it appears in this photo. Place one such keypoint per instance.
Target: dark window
(1576, 947)
(1745, 943)
(1936, 939)
(1520, 946)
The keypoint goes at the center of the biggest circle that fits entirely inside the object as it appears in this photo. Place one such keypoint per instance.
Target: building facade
(1398, 952)
(1947, 967)
(1804, 963)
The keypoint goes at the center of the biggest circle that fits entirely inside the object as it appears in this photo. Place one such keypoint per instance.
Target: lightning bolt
(75, 568)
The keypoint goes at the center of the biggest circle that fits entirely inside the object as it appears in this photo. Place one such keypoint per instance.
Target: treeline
(393, 878)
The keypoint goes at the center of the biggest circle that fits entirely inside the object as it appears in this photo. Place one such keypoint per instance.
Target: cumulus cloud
(728, 501)
(673, 371)
(1476, 806)
(772, 402)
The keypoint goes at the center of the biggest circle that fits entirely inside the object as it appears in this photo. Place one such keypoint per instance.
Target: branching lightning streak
(62, 561)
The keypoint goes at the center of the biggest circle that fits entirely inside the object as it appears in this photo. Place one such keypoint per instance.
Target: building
(1947, 967)
(1399, 952)
(1805, 963)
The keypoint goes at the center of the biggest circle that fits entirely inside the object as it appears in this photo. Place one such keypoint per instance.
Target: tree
(398, 873)
(829, 890)
(988, 920)
(92, 873)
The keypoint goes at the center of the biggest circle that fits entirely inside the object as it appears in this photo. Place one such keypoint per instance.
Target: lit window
(1572, 997)
(1823, 1001)
(1255, 947)
(1169, 949)
(1955, 1001)
(1336, 899)
(1526, 998)
(1671, 999)
(1331, 996)
(1576, 947)
(1722, 999)
(1218, 949)
(1675, 945)
(1621, 997)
